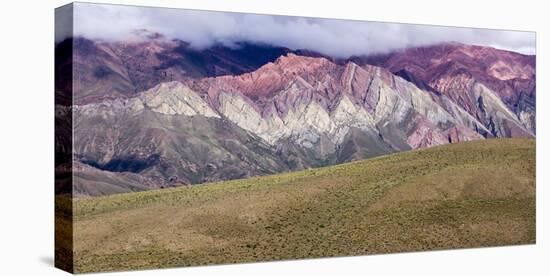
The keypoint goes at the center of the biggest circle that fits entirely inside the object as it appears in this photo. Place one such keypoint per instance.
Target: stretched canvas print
(187, 137)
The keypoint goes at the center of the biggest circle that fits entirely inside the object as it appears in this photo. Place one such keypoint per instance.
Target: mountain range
(157, 113)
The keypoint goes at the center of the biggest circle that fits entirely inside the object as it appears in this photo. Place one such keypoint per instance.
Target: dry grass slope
(462, 195)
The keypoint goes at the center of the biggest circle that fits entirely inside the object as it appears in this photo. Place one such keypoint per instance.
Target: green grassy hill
(461, 195)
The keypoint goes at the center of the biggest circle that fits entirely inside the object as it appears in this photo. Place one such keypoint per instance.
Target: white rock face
(461, 116)
(528, 119)
(308, 122)
(346, 115)
(174, 98)
(171, 98)
(424, 104)
(496, 111)
(236, 109)
(111, 107)
(390, 105)
(305, 123)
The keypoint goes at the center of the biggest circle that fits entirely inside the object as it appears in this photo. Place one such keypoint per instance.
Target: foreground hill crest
(417, 200)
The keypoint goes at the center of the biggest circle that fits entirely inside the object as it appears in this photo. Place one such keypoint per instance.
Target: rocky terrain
(155, 113)
(107, 70)
(459, 71)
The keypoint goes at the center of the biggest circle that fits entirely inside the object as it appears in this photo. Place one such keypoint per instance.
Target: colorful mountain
(156, 113)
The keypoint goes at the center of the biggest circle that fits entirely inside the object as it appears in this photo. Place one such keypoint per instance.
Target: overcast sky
(338, 38)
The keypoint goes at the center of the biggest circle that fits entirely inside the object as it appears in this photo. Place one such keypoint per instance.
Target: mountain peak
(297, 63)
(275, 76)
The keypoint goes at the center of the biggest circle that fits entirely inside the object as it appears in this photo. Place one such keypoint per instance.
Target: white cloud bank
(338, 38)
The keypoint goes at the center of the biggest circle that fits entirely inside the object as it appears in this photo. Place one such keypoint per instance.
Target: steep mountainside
(463, 72)
(116, 69)
(296, 93)
(294, 113)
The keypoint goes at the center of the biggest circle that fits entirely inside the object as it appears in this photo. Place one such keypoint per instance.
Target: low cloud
(337, 38)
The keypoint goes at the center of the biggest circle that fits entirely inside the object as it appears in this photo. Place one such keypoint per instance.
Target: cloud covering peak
(337, 38)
